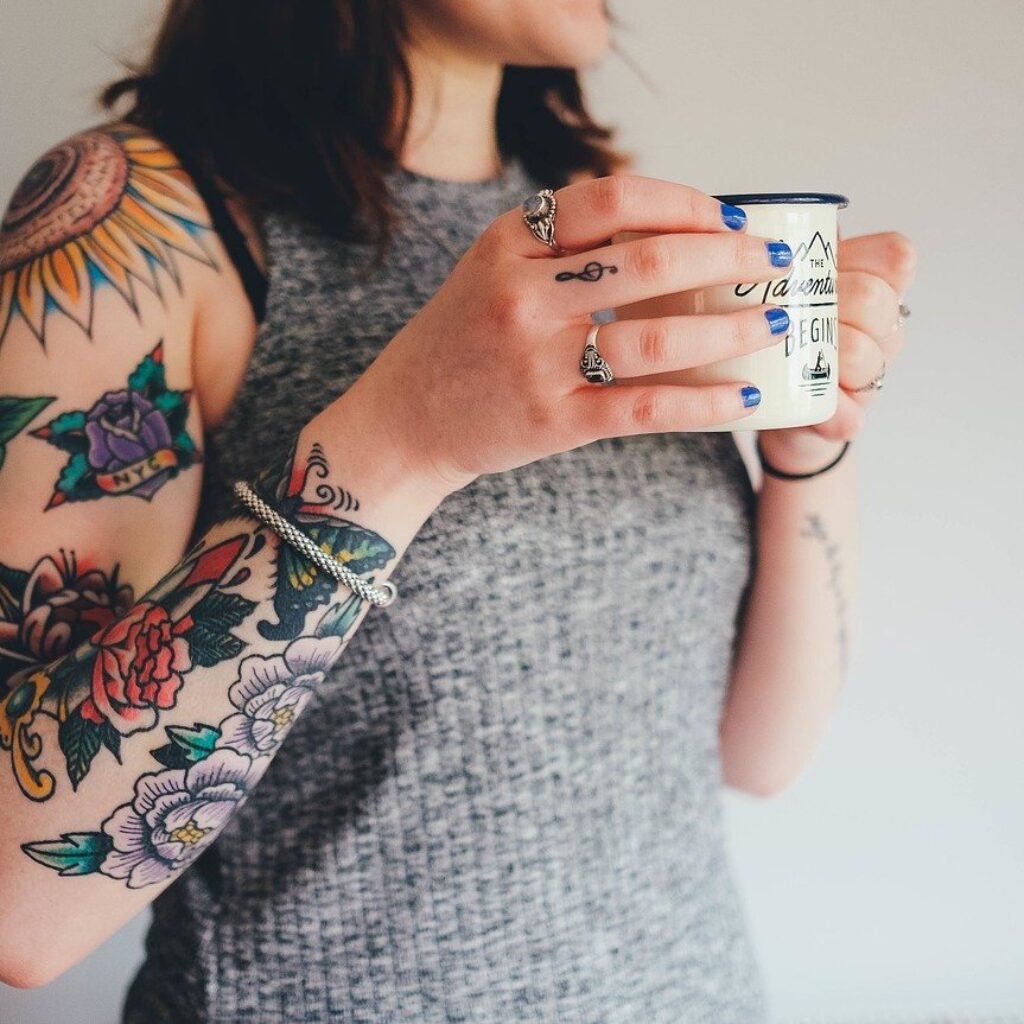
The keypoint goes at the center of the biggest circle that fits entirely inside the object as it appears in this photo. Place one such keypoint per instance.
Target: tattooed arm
(794, 644)
(130, 754)
(130, 728)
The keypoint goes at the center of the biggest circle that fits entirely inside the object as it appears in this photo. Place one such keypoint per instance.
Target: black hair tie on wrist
(768, 468)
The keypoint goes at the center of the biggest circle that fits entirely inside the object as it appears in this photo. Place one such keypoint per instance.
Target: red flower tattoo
(139, 667)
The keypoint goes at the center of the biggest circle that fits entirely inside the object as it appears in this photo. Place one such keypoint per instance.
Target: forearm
(795, 639)
(127, 756)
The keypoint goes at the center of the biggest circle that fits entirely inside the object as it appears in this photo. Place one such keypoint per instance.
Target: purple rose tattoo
(132, 441)
(124, 428)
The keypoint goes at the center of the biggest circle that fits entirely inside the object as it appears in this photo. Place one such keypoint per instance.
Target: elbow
(21, 971)
(29, 957)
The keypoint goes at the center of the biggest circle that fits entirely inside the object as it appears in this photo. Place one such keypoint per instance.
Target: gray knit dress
(504, 804)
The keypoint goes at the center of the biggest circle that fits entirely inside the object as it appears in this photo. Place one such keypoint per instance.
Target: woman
(499, 795)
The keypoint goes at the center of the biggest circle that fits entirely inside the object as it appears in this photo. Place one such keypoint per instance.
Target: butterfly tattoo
(302, 586)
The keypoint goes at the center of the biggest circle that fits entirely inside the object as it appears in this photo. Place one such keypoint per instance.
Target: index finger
(590, 212)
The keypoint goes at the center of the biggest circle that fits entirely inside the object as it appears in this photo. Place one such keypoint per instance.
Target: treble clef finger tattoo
(593, 271)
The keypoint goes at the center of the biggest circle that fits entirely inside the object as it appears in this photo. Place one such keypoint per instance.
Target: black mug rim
(754, 198)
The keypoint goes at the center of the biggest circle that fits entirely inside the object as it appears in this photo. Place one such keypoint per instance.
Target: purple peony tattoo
(175, 815)
(271, 692)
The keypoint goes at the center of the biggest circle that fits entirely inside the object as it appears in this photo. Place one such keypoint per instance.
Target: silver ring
(539, 215)
(875, 384)
(904, 313)
(593, 365)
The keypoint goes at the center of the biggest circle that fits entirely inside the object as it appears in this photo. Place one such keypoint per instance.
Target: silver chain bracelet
(381, 595)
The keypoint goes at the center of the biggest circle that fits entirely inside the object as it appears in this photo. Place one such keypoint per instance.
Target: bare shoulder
(110, 207)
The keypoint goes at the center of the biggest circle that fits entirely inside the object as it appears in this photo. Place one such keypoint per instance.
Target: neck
(452, 124)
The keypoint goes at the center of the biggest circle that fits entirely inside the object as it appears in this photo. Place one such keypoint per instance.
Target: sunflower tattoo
(107, 206)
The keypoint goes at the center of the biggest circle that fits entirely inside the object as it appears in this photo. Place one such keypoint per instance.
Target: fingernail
(781, 255)
(778, 320)
(751, 396)
(733, 216)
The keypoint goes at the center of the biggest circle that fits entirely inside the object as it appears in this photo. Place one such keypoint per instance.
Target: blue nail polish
(733, 216)
(780, 253)
(751, 396)
(778, 320)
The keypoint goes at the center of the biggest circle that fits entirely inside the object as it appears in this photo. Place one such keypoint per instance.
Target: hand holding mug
(486, 376)
(874, 271)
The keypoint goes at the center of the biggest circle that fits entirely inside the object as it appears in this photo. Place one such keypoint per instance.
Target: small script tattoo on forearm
(121, 681)
(816, 530)
(593, 271)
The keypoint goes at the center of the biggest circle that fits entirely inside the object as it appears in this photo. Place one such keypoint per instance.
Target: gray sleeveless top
(504, 804)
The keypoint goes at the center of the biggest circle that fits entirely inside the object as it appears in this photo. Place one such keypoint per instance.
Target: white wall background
(887, 882)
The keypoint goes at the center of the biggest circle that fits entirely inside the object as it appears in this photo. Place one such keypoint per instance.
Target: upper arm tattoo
(105, 207)
(132, 440)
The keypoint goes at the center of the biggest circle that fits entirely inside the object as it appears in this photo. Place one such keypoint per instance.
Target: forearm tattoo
(131, 441)
(110, 207)
(127, 674)
(816, 530)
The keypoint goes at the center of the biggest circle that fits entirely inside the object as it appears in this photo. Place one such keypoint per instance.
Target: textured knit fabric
(504, 804)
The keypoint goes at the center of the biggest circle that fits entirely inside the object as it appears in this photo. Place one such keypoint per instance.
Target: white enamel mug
(798, 376)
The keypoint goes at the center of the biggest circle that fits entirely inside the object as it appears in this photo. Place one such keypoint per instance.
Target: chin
(546, 33)
(571, 33)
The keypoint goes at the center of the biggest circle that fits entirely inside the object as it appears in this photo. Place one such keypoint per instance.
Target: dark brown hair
(304, 104)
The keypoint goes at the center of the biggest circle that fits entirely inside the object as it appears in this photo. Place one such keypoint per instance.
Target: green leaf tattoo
(80, 742)
(187, 745)
(75, 853)
(215, 616)
(132, 441)
(15, 415)
(338, 619)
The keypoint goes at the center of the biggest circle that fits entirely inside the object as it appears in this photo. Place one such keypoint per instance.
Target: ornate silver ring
(593, 365)
(539, 215)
